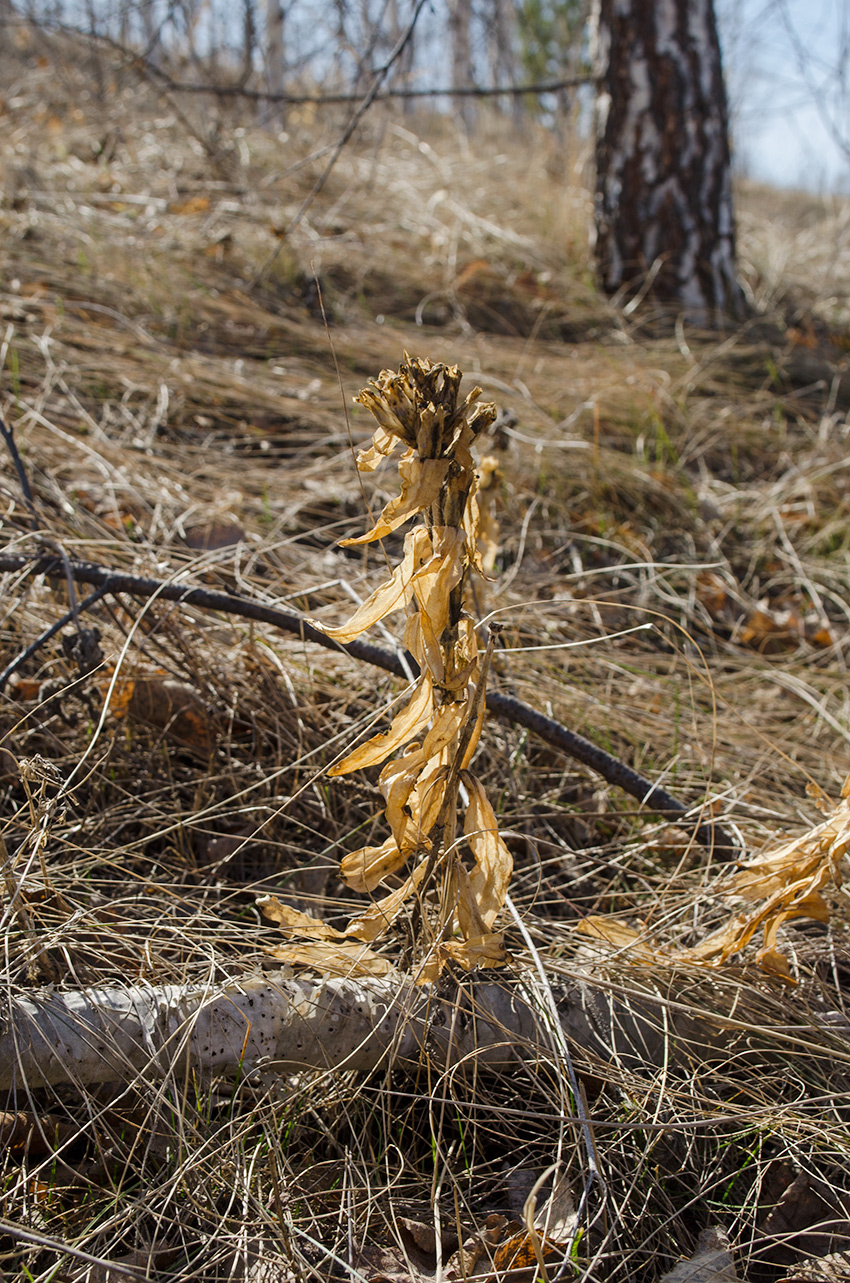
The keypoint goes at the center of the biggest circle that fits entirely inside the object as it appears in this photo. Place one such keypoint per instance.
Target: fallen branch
(271, 1022)
(655, 799)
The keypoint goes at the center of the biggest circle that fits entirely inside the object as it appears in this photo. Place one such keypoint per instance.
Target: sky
(783, 61)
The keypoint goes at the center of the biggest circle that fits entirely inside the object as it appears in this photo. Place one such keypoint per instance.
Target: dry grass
(173, 394)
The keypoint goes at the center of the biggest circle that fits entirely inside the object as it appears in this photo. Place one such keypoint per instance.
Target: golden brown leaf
(426, 801)
(619, 934)
(468, 915)
(397, 781)
(394, 593)
(493, 861)
(406, 723)
(421, 481)
(342, 958)
(365, 869)
(377, 919)
(432, 585)
(192, 205)
(448, 720)
(383, 444)
(481, 951)
(294, 921)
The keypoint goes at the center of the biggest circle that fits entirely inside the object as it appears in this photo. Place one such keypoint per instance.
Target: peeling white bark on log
(272, 1022)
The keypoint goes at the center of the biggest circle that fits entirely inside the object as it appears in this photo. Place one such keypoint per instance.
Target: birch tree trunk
(664, 217)
(274, 1022)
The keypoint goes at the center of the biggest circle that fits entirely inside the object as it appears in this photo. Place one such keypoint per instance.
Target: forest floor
(180, 343)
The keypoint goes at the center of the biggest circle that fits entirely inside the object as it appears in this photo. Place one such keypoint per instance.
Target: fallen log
(283, 1023)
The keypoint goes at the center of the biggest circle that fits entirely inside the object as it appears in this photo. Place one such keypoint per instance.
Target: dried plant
(429, 746)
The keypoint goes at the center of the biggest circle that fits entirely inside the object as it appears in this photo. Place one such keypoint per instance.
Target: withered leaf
(383, 444)
(340, 958)
(365, 869)
(394, 593)
(406, 723)
(175, 708)
(491, 875)
(295, 921)
(377, 919)
(421, 481)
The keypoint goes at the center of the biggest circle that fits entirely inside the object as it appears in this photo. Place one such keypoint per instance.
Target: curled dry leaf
(294, 921)
(407, 723)
(365, 869)
(490, 479)
(621, 936)
(421, 481)
(392, 594)
(341, 958)
(375, 921)
(397, 781)
(481, 951)
(329, 951)
(467, 914)
(383, 445)
(494, 863)
(788, 883)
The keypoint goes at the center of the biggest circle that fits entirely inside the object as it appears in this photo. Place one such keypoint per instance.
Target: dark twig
(463, 91)
(70, 616)
(658, 800)
(8, 435)
(142, 62)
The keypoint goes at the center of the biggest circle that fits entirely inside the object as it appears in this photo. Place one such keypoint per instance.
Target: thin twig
(70, 616)
(8, 436)
(462, 91)
(143, 62)
(66, 1249)
(657, 800)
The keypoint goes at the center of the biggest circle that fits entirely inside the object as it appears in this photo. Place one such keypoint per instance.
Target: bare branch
(655, 799)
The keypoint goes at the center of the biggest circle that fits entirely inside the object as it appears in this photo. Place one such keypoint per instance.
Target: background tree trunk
(274, 57)
(664, 219)
(460, 22)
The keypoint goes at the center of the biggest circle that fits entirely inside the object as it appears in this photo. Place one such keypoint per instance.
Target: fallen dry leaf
(192, 205)
(711, 1262)
(174, 707)
(294, 920)
(341, 958)
(215, 535)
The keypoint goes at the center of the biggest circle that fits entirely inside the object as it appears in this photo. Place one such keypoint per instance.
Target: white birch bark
(274, 1022)
(664, 219)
